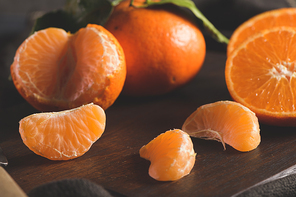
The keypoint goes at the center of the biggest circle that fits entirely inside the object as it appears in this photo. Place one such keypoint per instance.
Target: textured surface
(114, 161)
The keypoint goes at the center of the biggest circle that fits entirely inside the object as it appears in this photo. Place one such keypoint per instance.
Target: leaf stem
(218, 36)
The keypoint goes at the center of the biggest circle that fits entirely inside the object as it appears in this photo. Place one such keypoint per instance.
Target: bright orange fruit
(265, 20)
(261, 75)
(63, 135)
(55, 70)
(227, 122)
(164, 48)
(171, 155)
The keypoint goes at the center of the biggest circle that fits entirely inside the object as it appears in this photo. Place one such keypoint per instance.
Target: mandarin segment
(171, 155)
(54, 70)
(227, 122)
(63, 135)
(260, 74)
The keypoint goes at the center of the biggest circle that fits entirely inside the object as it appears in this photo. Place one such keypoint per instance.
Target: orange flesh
(261, 74)
(66, 67)
(171, 155)
(63, 135)
(227, 122)
(266, 20)
(54, 69)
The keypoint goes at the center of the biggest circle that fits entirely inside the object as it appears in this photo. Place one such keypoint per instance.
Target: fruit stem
(132, 3)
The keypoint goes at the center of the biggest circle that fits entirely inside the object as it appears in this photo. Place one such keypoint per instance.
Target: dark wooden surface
(113, 161)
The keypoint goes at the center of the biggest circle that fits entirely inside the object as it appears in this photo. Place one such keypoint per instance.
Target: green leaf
(116, 2)
(90, 11)
(59, 19)
(76, 14)
(217, 35)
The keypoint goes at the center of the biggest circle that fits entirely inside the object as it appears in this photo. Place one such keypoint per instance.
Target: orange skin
(164, 49)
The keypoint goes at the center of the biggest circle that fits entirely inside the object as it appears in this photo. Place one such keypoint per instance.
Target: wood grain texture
(114, 161)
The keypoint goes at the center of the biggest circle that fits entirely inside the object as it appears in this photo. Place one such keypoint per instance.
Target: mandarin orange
(273, 18)
(227, 122)
(164, 48)
(171, 155)
(63, 135)
(261, 72)
(55, 70)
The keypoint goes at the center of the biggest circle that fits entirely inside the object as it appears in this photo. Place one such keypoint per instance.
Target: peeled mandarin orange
(269, 19)
(171, 155)
(227, 122)
(55, 70)
(63, 135)
(164, 48)
(261, 74)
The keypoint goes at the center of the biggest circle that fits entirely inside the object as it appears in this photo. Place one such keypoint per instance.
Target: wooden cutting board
(113, 161)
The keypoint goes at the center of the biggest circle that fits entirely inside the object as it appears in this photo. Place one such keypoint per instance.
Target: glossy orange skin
(164, 49)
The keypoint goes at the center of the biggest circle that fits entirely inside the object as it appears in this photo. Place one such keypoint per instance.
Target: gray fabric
(69, 188)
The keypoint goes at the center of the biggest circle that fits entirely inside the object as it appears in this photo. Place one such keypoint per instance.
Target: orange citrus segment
(63, 135)
(54, 70)
(266, 20)
(260, 74)
(225, 121)
(171, 155)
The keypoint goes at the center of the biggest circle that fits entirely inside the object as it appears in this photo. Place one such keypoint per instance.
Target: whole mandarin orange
(164, 48)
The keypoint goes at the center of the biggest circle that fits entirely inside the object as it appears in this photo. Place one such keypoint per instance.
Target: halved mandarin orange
(261, 74)
(269, 19)
(171, 155)
(55, 70)
(225, 121)
(63, 135)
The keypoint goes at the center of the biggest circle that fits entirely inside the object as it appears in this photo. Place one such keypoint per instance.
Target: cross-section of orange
(63, 135)
(55, 70)
(261, 74)
(227, 122)
(265, 20)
